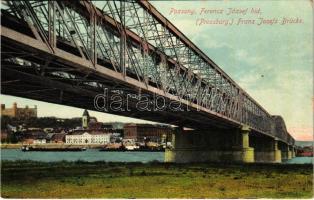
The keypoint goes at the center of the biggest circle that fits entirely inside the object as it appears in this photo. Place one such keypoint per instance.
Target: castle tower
(14, 109)
(85, 119)
(35, 110)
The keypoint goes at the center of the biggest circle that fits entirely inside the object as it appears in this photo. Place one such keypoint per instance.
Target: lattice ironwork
(135, 40)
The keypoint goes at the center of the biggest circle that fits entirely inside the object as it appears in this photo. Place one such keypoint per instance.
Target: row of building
(91, 131)
(78, 137)
(136, 133)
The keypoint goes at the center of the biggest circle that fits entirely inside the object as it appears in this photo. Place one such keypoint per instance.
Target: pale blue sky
(283, 54)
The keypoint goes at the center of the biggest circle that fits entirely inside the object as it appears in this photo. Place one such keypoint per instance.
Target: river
(91, 155)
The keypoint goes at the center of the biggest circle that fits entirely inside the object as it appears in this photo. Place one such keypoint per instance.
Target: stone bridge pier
(217, 145)
(223, 145)
(265, 149)
(293, 152)
(287, 151)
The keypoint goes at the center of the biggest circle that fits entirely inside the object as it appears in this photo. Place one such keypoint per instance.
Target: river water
(91, 155)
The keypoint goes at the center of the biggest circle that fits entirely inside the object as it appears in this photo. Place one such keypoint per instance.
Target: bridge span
(68, 52)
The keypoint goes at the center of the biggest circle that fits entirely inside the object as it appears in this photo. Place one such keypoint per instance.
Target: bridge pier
(227, 145)
(247, 151)
(286, 151)
(293, 152)
(266, 149)
(277, 152)
(289, 152)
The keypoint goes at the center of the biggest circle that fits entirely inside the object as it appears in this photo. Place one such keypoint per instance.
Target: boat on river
(31, 148)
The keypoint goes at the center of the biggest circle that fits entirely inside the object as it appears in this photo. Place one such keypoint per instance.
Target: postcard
(156, 99)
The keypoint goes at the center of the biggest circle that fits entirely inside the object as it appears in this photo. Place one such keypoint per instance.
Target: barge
(30, 148)
(135, 149)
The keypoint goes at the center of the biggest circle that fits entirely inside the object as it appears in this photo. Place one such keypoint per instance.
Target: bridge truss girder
(135, 41)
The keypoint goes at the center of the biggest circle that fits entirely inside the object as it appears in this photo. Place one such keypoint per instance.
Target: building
(147, 132)
(57, 138)
(49, 136)
(85, 119)
(87, 137)
(4, 136)
(114, 125)
(34, 137)
(20, 113)
(39, 141)
(89, 122)
(93, 124)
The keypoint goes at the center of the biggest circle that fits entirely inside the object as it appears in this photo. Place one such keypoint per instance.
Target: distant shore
(11, 146)
(50, 145)
(63, 146)
(29, 179)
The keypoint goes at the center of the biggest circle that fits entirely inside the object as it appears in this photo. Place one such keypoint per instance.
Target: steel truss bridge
(68, 51)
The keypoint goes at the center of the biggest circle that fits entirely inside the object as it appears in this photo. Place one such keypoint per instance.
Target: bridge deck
(67, 52)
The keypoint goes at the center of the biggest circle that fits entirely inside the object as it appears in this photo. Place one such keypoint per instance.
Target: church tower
(85, 119)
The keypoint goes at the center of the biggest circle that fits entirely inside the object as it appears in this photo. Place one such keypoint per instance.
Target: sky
(273, 63)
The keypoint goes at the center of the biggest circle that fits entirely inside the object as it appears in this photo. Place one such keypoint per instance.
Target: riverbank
(29, 179)
(63, 146)
(11, 146)
(51, 145)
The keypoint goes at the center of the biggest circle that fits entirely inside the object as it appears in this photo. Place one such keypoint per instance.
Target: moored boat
(30, 148)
